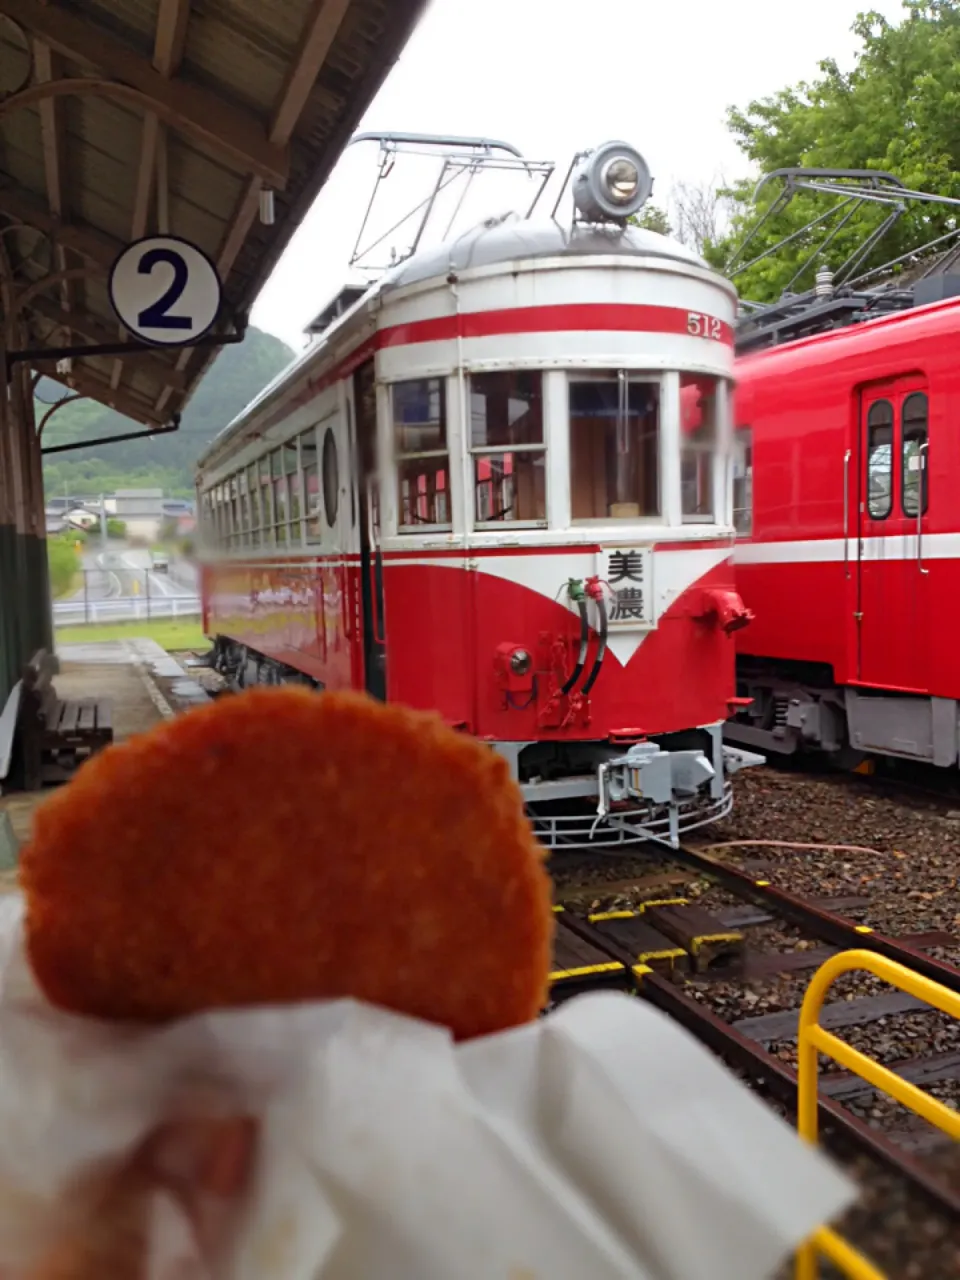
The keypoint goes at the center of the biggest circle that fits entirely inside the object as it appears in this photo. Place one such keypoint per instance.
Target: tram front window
(614, 447)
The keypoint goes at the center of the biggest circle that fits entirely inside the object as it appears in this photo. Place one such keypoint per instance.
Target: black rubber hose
(601, 648)
(584, 642)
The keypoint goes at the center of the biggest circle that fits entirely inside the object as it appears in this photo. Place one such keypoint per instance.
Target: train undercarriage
(797, 707)
(581, 794)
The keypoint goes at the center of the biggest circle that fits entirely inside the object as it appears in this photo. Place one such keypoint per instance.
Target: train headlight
(611, 183)
(621, 179)
(520, 662)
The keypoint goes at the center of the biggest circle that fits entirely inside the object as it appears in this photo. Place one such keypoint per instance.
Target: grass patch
(169, 633)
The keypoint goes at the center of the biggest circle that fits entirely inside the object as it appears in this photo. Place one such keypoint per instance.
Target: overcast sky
(554, 77)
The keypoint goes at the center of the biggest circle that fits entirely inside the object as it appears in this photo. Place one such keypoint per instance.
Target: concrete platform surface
(143, 684)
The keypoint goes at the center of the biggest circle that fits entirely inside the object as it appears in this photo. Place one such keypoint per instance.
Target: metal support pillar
(9, 638)
(26, 622)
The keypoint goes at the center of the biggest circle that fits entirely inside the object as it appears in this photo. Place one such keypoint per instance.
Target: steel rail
(827, 925)
(775, 1076)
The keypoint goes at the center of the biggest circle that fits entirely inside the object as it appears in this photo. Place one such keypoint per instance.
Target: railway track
(673, 953)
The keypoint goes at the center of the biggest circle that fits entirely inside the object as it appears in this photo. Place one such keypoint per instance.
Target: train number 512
(700, 326)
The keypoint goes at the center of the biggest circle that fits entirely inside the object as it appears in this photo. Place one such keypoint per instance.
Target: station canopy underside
(126, 118)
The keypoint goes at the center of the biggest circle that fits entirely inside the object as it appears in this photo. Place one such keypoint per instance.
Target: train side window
(214, 530)
(266, 503)
(614, 447)
(291, 466)
(743, 480)
(880, 460)
(914, 469)
(422, 455)
(233, 521)
(244, 505)
(280, 497)
(506, 441)
(698, 445)
(313, 505)
(253, 491)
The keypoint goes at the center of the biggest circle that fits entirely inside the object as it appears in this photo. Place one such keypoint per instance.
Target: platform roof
(122, 118)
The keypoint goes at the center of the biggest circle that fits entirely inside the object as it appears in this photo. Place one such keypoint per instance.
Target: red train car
(849, 545)
(476, 494)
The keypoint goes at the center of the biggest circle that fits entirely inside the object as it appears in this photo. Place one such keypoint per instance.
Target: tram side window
(312, 500)
(266, 503)
(506, 440)
(743, 480)
(880, 459)
(229, 510)
(698, 445)
(291, 466)
(914, 468)
(280, 498)
(253, 498)
(244, 499)
(614, 447)
(422, 455)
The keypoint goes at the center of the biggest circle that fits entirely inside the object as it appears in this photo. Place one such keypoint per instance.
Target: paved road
(121, 584)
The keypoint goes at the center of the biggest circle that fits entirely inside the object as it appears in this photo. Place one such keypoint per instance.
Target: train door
(893, 597)
(371, 559)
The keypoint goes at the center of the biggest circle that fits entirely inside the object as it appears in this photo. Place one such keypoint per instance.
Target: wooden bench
(54, 736)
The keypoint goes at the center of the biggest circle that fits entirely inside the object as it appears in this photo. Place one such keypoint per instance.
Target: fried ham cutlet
(279, 846)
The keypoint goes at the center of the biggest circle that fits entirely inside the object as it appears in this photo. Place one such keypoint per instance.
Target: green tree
(63, 560)
(652, 218)
(896, 110)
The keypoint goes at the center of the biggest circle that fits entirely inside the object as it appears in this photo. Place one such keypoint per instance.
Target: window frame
(650, 377)
(493, 451)
(399, 457)
(310, 461)
(267, 515)
(330, 437)
(924, 453)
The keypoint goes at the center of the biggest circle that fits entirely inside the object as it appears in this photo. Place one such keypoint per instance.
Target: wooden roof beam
(167, 54)
(234, 132)
(168, 46)
(92, 384)
(94, 245)
(318, 36)
(94, 329)
(316, 40)
(53, 141)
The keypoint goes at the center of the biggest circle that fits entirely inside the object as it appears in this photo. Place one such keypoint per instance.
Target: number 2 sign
(165, 290)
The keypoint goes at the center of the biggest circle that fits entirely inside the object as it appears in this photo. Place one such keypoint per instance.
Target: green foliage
(164, 462)
(173, 634)
(116, 529)
(652, 218)
(896, 110)
(64, 562)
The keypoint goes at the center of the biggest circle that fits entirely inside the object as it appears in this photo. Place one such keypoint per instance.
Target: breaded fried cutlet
(282, 845)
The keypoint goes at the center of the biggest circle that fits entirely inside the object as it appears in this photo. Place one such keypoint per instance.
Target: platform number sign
(165, 290)
(627, 571)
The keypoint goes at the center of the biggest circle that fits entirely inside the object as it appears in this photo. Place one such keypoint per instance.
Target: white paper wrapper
(600, 1142)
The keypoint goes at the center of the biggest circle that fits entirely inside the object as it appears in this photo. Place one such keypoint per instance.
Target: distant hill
(166, 462)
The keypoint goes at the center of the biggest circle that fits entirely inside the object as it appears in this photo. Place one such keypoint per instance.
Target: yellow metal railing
(813, 1039)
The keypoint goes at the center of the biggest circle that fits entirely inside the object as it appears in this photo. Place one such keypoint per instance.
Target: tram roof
(124, 118)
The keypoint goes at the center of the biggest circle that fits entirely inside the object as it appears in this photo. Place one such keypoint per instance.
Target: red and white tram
(499, 487)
